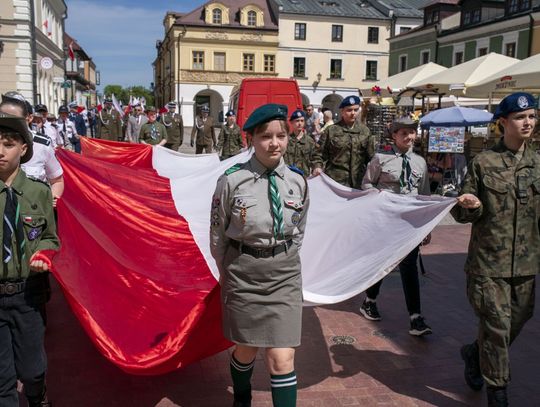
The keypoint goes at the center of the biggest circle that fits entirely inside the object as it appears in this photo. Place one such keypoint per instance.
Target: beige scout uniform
(261, 296)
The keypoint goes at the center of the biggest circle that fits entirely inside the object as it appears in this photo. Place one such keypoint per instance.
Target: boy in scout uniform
(501, 197)
(301, 148)
(345, 147)
(258, 218)
(175, 127)
(28, 227)
(400, 171)
(110, 123)
(230, 137)
(202, 134)
(153, 132)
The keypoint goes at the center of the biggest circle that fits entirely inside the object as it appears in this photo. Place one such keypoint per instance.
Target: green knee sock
(241, 377)
(284, 389)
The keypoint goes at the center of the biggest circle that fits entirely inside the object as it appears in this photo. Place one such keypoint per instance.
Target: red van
(255, 92)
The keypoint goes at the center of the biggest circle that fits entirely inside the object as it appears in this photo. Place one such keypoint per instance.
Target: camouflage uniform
(504, 250)
(300, 152)
(229, 141)
(175, 130)
(345, 152)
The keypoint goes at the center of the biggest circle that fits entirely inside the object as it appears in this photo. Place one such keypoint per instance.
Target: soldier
(258, 218)
(202, 134)
(345, 147)
(29, 227)
(109, 123)
(230, 137)
(134, 124)
(301, 148)
(175, 127)
(153, 132)
(501, 197)
(401, 171)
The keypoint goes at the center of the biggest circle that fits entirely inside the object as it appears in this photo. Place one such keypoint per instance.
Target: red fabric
(163, 110)
(70, 51)
(129, 266)
(127, 154)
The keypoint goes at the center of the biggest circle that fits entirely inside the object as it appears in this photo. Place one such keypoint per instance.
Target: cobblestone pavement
(382, 366)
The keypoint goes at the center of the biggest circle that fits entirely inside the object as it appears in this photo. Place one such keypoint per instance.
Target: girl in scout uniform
(403, 172)
(257, 225)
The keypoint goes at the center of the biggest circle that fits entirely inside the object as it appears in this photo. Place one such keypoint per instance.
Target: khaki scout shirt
(241, 208)
(36, 212)
(203, 132)
(152, 133)
(110, 125)
(230, 140)
(384, 172)
(175, 127)
(505, 239)
(344, 153)
(300, 152)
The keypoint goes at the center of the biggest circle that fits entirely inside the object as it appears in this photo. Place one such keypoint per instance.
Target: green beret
(264, 114)
(19, 125)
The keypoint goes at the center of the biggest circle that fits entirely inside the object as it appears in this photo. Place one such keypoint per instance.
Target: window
(402, 63)
(510, 49)
(371, 70)
(518, 5)
(482, 51)
(269, 63)
(249, 63)
(403, 30)
(299, 31)
(458, 58)
(467, 18)
(424, 57)
(252, 18)
(476, 16)
(373, 35)
(219, 61)
(216, 16)
(337, 33)
(299, 68)
(198, 60)
(335, 68)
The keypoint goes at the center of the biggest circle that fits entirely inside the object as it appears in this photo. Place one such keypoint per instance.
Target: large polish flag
(135, 261)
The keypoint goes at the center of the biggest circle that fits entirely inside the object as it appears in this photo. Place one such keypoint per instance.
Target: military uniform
(344, 153)
(152, 133)
(110, 125)
(229, 141)
(203, 135)
(175, 130)
(300, 152)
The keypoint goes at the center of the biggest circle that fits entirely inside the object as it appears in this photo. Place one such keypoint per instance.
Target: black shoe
(238, 403)
(473, 375)
(497, 397)
(419, 327)
(369, 311)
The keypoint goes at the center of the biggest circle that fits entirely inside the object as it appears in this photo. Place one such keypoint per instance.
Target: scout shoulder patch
(234, 168)
(296, 169)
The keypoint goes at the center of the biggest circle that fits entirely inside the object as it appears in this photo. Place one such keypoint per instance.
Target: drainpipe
(531, 34)
(33, 50)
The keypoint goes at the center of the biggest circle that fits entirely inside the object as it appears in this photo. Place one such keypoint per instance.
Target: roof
(434, 2)
(196, 16)
(339, 8)
(407, 9)
(68, 39)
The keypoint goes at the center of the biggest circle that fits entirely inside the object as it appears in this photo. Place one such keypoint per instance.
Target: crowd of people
(257, 223)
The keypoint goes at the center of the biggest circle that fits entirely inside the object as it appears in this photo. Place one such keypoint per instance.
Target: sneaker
(497, 397)
(473, 375)
(369, 311)
(419, 327)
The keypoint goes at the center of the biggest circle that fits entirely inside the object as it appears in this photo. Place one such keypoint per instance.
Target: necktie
(404, 179)
(275, 203)
(12, 225)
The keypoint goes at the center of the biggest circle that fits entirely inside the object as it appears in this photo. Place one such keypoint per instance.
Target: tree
(124, 94)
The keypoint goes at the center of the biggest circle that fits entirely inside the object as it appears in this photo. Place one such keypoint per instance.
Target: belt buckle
(10, 288)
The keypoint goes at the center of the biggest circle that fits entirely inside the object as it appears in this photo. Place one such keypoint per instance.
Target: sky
(120, 35)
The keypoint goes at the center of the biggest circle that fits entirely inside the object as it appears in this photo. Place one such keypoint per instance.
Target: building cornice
(412, 34)
(336, 51)
(513, 24)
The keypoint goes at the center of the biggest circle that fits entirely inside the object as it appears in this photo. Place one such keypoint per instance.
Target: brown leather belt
(262, 252)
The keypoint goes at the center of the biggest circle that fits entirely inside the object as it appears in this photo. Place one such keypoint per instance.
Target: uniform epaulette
(233, 169)
(38, 180)
(42, 139)
(296, 169)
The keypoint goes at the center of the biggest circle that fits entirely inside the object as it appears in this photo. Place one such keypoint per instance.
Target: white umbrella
(525, 76)
(402, 80)
(454, 80)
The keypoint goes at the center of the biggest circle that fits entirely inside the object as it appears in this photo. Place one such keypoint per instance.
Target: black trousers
(408, 269)
(22, 351)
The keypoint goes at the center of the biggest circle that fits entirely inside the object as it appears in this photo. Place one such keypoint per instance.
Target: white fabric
(353, 238)
(43, 165)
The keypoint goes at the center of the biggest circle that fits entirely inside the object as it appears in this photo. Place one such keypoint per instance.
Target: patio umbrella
(455, 79)
(403, 79)
(455, 116)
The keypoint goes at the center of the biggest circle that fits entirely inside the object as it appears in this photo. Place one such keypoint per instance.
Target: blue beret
(516, 102)
(349, 101)
(230, 113)
(264, 114)
(297, 114)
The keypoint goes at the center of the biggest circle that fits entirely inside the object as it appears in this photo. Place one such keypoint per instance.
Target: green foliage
(123, 94)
